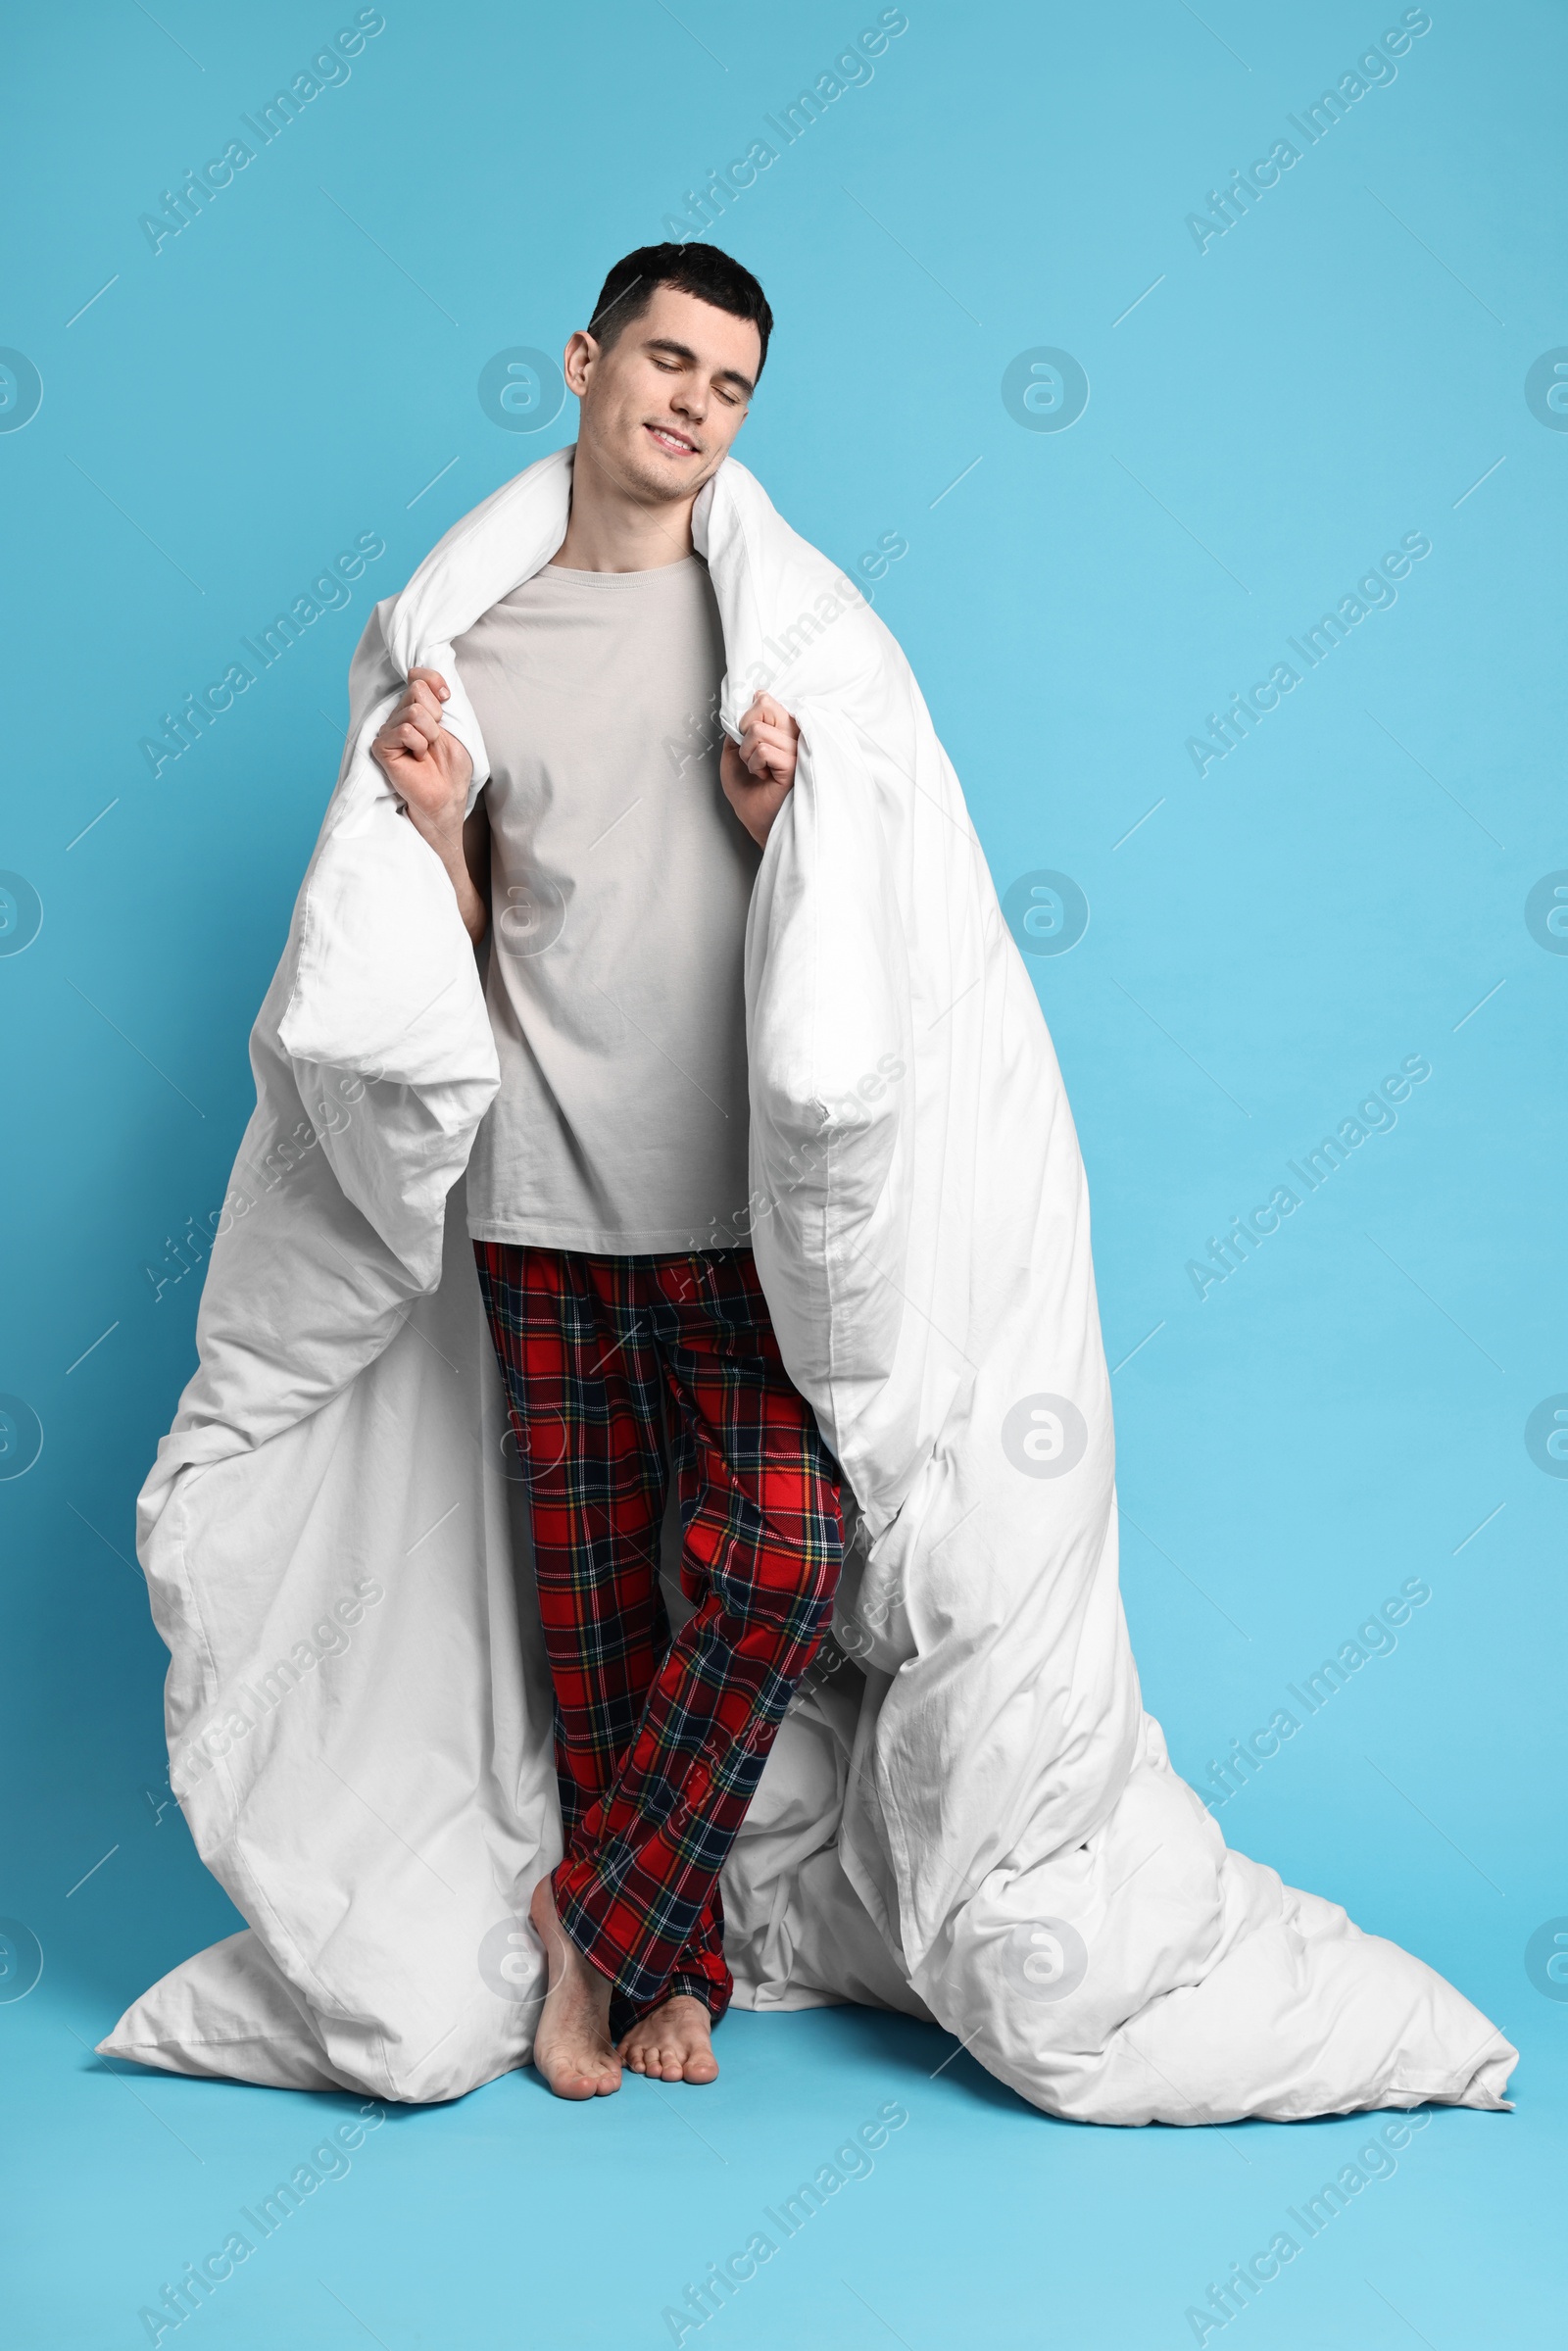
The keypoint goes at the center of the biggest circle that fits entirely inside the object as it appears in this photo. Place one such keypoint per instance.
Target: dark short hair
(699, 270)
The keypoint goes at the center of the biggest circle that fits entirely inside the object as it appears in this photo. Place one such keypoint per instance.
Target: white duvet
(976, 1821)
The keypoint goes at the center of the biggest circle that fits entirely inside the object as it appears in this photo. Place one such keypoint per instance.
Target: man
(618, 847)
(922, 1213)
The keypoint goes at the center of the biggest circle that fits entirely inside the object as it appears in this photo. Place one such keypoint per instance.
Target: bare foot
(571, 2045)
(674, 2042)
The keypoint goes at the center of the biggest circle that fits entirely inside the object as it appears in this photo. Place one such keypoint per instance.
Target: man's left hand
(760, 770)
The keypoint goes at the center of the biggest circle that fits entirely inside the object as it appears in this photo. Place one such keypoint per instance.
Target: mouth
(674, 444)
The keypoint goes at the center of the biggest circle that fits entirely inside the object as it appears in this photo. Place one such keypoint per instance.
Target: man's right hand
(426, 768)
(430, 771)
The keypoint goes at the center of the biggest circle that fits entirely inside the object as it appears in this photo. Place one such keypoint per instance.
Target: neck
(609, 529)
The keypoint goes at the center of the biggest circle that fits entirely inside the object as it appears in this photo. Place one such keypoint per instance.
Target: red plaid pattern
(617, 1369)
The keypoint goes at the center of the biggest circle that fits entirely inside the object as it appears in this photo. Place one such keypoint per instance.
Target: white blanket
(977, 1821)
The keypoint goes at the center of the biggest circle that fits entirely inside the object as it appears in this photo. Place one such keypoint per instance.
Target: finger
(405, 725)
(426, 717)
(772, 738)
(746, 764)
(410, 740)
(773, 756)
(430, 677)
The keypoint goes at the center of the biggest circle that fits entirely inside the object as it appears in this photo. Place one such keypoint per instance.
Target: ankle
(591, 1986)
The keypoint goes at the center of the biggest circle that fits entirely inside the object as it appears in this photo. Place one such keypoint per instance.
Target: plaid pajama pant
(616, 1370)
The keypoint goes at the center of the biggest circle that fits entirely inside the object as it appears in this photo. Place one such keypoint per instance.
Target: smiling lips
(676, 443)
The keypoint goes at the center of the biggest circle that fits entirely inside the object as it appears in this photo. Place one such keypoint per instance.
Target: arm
(429, 772)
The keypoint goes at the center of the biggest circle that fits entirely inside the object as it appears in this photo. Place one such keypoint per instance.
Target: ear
(578, 361)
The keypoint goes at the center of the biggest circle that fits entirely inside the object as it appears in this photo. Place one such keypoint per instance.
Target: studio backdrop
(1203, 446)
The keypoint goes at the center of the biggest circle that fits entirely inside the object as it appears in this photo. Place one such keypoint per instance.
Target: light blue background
(1343, 890)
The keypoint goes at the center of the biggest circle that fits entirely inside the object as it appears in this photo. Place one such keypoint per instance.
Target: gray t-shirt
(619, 883)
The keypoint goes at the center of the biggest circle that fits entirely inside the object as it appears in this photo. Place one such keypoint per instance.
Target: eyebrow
(684, 350)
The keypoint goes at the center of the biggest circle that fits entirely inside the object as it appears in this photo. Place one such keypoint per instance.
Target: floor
(946, 2211)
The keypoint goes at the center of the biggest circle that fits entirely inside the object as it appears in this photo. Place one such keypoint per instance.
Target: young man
(616, 845)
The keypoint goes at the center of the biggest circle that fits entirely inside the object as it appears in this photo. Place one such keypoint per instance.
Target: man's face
(661, 404)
